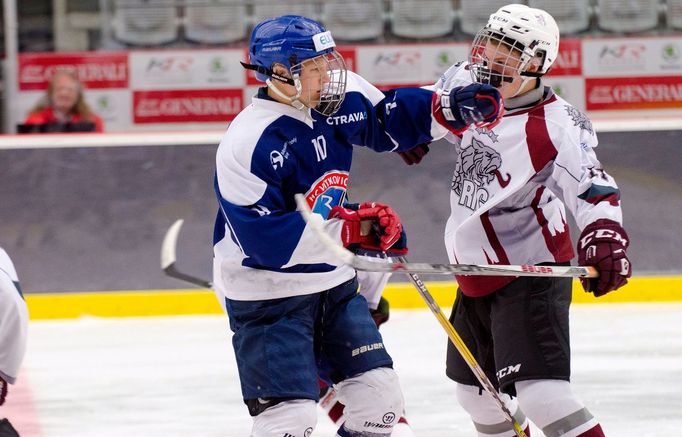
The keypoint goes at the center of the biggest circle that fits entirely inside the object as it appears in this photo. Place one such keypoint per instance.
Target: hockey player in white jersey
(512, 187)
(13, 334)
(294, 310)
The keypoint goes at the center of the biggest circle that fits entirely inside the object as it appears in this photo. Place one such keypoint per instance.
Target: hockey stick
(359, 263)
(168, 259)
(462, 348)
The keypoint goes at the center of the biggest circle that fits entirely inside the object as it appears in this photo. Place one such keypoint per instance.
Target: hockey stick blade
(168, 257)
(359, 263)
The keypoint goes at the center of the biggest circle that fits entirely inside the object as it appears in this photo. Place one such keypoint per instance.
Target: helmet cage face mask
(329, 72)
(495, 58)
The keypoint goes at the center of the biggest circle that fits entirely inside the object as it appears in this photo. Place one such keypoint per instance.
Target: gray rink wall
(90, 219)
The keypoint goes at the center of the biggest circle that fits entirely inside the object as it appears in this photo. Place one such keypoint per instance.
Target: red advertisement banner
(95, 70)
(175, 106)
(569, 62)
(651, 92)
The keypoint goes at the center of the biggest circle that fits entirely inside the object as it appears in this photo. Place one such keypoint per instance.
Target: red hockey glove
(602, 244)
(3, 390)
(380, 232)
(460, 107)
(415, 154)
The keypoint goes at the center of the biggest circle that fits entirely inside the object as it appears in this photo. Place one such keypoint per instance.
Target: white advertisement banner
(407, 64)
(570, 88)
(185, 69)
(626, 57)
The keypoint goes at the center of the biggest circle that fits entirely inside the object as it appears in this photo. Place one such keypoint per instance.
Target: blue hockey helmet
(291, 40)
(287, 40)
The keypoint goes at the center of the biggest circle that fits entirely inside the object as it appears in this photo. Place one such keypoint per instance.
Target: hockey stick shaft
(359, 263)
(462, 348)
(168, 257)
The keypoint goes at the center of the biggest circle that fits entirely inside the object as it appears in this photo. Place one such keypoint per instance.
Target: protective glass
(495, 59)
(322, 82)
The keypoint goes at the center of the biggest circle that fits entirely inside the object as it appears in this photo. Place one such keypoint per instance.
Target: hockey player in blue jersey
(294, 309)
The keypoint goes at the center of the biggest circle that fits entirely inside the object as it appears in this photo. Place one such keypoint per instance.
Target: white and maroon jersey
(513, 184)
(13, 320)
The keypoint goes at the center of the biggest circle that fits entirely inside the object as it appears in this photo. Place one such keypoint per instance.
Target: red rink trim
(540, 146)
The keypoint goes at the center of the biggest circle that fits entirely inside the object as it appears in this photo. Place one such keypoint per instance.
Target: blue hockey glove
(460, 107)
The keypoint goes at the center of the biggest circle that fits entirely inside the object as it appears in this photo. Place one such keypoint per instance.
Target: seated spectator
(62, 109)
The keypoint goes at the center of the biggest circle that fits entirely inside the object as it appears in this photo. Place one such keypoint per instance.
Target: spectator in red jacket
(63, 107)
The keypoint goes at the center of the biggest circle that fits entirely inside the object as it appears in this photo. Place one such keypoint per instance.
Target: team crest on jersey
(327, 192)
(477, 167)
(579, 118)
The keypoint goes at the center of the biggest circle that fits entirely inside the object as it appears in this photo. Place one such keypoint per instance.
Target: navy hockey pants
(283, 345)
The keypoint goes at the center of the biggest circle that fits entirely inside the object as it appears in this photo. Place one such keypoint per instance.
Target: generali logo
(186, 106)
(634, 93)
(95, 71)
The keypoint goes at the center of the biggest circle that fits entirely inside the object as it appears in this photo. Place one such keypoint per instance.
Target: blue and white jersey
(272, 151)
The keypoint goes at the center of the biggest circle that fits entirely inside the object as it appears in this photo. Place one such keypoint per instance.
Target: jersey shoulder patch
(578, 118)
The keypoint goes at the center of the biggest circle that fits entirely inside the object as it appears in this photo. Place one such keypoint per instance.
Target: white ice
(176, 376)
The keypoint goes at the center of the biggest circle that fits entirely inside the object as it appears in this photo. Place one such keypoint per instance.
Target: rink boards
(200, 302)
(91, 219)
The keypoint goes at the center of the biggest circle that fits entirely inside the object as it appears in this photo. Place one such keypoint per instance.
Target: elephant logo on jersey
(477, 166)
(579, 118)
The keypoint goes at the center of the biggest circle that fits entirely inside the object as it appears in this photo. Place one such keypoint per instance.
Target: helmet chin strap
(292, 100)
(527, 76)
(522, 86)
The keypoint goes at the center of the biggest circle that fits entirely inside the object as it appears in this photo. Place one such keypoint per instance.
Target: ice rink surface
(176, 376)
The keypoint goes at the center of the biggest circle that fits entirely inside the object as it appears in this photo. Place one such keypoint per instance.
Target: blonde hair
(79, 108)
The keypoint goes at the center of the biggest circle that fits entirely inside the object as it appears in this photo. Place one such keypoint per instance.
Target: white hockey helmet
(531, 32)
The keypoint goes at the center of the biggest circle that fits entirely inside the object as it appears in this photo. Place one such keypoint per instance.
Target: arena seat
(571, 17)
(145, 22)
(354, 20)
(474, 14)
(627, 16)
(215, 21)
(421, 19)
